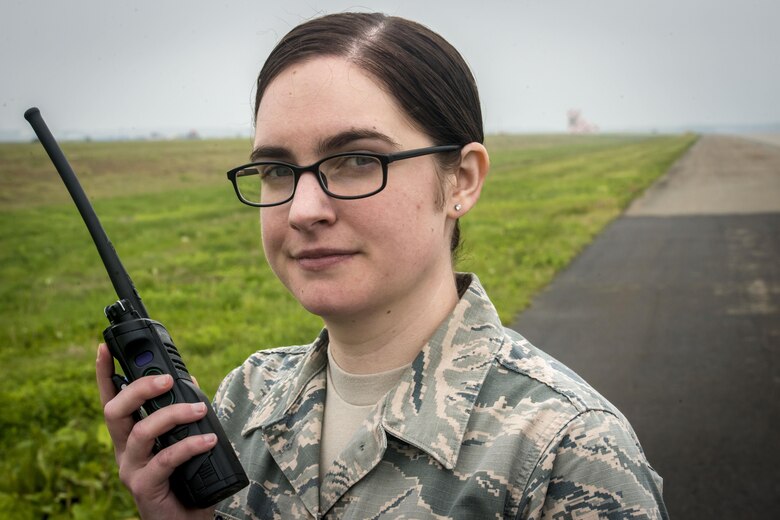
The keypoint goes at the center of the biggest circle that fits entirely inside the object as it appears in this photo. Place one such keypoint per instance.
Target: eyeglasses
(348, 175)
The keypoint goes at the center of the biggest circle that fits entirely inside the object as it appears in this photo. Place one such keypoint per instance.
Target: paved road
(673, 313)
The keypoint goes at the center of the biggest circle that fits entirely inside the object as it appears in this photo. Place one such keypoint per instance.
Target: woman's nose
(310, 204)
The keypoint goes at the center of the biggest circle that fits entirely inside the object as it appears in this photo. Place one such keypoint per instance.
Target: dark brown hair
(424, 73)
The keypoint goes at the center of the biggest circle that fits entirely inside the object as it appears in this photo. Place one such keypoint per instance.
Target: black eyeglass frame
(384, 160)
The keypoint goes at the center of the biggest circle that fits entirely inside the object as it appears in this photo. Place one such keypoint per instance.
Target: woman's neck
(387, 339)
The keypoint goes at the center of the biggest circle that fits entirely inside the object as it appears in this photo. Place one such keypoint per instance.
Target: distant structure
(579, 125)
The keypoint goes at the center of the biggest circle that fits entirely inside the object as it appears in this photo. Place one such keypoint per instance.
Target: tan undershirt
(349, 399)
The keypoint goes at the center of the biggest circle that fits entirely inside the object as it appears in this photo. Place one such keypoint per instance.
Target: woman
(414, 401)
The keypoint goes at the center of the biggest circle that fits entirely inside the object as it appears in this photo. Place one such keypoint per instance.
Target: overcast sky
(107, 67)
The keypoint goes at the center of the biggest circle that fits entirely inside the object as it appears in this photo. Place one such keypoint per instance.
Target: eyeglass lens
(346, 176)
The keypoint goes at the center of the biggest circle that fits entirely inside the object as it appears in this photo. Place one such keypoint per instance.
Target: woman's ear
(474, 166)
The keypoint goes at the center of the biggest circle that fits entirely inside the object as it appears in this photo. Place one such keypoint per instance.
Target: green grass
(194, 253)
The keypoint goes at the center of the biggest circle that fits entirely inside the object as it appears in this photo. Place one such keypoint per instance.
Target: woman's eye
(354, 163)
(359, 160)
(274, 171)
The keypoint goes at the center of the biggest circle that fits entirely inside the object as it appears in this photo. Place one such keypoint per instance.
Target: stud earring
(457, 207)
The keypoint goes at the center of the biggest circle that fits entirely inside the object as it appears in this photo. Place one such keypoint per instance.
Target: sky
(107, 68)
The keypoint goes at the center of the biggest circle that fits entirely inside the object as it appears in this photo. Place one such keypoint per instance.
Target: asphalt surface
(673, 314)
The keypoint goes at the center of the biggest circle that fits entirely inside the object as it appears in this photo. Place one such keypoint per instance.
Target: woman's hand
(143, 472)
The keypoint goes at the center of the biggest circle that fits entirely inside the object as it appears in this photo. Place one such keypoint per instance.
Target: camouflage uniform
(482, 425)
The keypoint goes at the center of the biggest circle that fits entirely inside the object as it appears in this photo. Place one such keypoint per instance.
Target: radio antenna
(123, 285)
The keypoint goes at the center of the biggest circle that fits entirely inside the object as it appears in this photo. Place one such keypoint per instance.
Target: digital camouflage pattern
(482, 425)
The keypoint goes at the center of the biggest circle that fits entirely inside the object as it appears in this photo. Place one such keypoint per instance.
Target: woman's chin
(332, 305)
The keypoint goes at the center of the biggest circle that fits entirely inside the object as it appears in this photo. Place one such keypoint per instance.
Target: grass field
(194, 253)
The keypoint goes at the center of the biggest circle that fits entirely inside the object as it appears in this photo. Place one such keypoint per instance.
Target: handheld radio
(143, 347)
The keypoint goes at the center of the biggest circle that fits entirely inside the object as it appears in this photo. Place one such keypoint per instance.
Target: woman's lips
(320, 259)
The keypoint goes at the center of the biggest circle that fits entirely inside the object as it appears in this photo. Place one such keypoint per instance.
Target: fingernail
(209, 438)
(162, 381)
(97, 356)
(199, 407)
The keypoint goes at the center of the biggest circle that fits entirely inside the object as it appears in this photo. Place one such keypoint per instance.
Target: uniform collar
(289, 418)
(286, 393)
(430, 408)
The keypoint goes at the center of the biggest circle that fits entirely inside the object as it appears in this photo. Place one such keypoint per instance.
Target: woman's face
(346, 259)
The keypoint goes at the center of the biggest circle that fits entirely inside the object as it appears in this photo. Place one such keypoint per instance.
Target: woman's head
(388, 253)
(425, 75)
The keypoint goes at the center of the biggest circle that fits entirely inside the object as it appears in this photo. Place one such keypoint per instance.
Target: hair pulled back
(426, 75)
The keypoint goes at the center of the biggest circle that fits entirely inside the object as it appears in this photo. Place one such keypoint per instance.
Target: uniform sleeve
(594, 468)
(223, 406)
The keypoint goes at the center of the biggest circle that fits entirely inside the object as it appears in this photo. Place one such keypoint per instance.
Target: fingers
(118, 427)
(142, 471)
(142, 437)
(150, 484)
(104, 369)
(145, 473)
(136, 394)
(118, 412)
(168, 459)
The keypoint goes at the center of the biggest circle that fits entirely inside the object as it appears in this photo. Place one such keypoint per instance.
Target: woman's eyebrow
(342, 140)
(270, 152)
(332, 144)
